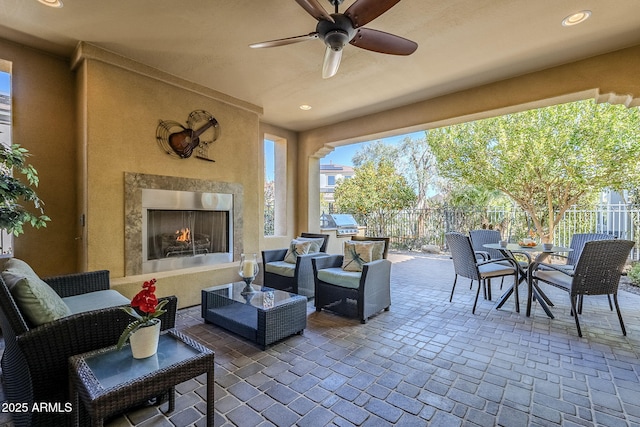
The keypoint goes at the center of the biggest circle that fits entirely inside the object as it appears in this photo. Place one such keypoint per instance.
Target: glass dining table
(534, 255)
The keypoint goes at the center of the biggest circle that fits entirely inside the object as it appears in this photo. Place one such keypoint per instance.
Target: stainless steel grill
(344, 224)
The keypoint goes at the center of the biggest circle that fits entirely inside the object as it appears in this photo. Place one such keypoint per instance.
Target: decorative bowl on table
(527, 243)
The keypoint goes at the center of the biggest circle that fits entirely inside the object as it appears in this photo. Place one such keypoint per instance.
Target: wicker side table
(263, 316)
(108, 381)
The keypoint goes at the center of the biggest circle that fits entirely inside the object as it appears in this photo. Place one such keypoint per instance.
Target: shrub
(634, 274)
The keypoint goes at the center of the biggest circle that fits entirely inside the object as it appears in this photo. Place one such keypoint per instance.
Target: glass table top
(261, 297)
(117, 366)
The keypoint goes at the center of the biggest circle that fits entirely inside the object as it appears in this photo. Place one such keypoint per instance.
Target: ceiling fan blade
(288, 40)
(379, 41)
(331, 62)
(314, 9)
(364, 11)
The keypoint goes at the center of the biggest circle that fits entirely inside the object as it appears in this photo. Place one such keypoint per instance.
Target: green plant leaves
(13, 191)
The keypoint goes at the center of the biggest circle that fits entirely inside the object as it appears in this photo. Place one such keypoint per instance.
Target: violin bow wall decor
(179, 141)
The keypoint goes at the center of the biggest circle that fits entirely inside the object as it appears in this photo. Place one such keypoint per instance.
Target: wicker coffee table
(108, 380)
(263, 316)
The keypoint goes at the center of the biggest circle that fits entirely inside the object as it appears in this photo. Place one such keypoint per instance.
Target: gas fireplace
(184, 229)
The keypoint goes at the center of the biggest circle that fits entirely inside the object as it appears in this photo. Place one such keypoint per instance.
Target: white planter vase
(144, 341)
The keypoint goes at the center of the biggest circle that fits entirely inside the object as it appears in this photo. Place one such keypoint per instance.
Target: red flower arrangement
(147, 303)
(146, 299)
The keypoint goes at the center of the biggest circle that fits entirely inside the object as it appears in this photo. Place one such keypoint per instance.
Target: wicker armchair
(299, 278)
(372, 293)
(465, 264)
(597, 272)
(35, 360)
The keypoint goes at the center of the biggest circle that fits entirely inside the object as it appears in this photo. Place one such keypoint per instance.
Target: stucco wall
(89, 120)
(43, 91)
(122, 106)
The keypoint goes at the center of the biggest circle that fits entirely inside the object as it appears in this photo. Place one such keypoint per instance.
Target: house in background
(330, 175)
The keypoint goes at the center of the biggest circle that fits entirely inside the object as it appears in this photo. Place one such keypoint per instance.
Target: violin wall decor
(201, 130)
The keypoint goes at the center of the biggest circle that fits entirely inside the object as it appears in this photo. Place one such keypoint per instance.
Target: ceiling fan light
(52, 3)
(331, 62)
(576, 18)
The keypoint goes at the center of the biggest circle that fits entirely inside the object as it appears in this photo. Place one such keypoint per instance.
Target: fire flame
(183, 235)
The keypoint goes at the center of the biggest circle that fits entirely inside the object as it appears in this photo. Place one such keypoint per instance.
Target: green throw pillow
(14, 270)
(37, 301)
(296, 248)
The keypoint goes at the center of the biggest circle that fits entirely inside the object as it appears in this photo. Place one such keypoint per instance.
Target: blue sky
(4, 83)
(339, 156)
(343, 155)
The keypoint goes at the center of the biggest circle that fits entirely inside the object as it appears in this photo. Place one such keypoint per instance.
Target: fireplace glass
(186, 233)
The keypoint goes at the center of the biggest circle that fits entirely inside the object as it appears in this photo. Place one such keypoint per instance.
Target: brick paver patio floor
(425, 362)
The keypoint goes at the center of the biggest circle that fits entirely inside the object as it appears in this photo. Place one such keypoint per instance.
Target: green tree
(467, 196)
(13, 191)
(413, 160)
(375, 152)
(547, 159)
(376, 190)
(419, 167)
(269, 207)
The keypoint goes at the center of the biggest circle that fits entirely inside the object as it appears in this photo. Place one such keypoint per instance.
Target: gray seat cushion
(95, 301)
(281, 268)
(557, 277)
(339, 277)
(494, 269)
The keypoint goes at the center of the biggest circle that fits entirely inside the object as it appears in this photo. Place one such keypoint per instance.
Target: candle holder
(248, 270)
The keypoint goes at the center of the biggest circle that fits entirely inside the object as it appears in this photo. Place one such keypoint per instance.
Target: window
(275, 186)
(6, 240)
(269, 188)
(331, 180)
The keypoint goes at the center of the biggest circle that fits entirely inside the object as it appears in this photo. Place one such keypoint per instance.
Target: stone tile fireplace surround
(136, 182)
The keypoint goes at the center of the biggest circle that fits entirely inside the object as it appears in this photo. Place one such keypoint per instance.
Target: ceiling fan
(338, 29)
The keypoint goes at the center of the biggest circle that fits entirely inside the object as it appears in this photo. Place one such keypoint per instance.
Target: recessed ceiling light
(576, 18)
(305, 107)
(51, 3)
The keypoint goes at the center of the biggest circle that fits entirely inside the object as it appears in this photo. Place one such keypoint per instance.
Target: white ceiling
(462, 44)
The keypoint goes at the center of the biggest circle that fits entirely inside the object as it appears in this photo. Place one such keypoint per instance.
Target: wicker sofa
(35, 359)
(359, 294)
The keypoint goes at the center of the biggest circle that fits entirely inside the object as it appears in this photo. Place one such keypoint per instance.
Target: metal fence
(411, 229)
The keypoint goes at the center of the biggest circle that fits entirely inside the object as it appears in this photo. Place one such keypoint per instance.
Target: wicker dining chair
(571, 259)
(578, 241)
(481, 237)
(465, 264)
(597, 272)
